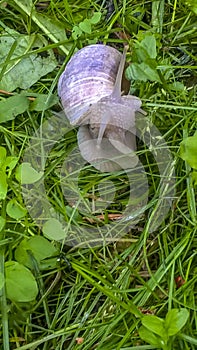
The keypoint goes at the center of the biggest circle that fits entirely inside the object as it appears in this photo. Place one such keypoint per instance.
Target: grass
(94, 296)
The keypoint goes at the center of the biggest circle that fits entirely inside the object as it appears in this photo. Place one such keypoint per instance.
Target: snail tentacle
(105, 119)
(116, 94)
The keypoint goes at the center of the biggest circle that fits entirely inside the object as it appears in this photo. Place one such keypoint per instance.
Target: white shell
(89, 75)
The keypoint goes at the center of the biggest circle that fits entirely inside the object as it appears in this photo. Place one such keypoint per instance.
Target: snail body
(90, 92)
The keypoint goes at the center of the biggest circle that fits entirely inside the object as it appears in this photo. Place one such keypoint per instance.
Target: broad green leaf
(149, 337)
(50, 26)
(76, 32)
(2, 156)
(96, 18)
(175, 320)
(20, 283)
(7, 162)
(10, 163)
(12, 106)
(2, 281)
(2, 223)
(15, 210)
(85, 26)
(52, 229)
(43, 102)
(27, 175)
(73, 214)
(188, 150)
(146, 48)
(23, 69)
(142, 71)
(3, 185)
(154, 324)
(145, 54)
(41, 249)
(177, 86)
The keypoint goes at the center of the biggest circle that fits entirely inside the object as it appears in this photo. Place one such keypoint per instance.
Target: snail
(90, 92)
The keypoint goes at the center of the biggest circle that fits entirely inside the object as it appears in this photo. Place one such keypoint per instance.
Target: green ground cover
(135, 292)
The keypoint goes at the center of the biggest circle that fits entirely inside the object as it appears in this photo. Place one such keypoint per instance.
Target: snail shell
(90, 91)
(89, 75)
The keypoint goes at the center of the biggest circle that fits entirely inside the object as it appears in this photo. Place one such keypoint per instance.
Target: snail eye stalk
(103, 125)
(116, 94)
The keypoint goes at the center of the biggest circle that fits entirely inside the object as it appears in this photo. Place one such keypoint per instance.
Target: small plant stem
(173, 15)
(190, 189)
(4, 315)
(3, 301)
(41, 287)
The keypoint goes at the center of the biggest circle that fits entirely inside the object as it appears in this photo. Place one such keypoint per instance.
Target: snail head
(114, 114)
